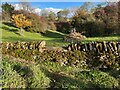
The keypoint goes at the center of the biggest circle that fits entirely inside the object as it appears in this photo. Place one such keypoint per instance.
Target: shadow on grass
(11, 30)
(52, 34)
(25, 72)
(9, 24)
(60, 80)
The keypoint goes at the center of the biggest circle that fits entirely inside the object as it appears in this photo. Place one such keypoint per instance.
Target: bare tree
(25, 5)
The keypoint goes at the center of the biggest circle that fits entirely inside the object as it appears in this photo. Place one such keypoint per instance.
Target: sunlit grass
(52, 38)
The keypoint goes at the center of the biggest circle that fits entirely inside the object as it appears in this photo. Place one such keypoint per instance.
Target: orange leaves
(21, 21)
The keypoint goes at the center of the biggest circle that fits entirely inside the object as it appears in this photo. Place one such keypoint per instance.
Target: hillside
(11, 34)
(52, 38)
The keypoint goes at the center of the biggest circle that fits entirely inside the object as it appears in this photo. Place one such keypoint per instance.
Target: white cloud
(38, 10)
(55, 10)
(17, 6)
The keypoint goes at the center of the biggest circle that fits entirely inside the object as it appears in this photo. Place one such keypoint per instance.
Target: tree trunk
(21, 31)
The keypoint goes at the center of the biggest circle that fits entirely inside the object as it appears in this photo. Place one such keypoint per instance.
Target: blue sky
(58, 0)
(61, 5)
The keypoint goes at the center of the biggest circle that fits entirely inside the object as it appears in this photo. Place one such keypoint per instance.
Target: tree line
(101, 20)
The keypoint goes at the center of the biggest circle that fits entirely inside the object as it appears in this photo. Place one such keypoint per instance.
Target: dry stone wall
(40, 45)
(99, 47)
(93, 54)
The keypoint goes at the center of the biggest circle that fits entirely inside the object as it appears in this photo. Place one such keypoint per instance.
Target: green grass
(50, 72)
(53, 75)
(12, 34)
(108, 38)
(52, 38)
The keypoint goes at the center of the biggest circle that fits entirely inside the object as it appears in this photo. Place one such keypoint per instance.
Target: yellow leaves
(80, 13)
(21, 21)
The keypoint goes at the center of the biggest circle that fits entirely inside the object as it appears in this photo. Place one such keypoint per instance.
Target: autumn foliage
(21, 22)
(90, 21)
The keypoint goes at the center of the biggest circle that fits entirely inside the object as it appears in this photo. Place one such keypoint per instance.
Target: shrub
(64, 27)
(51, 26)
(98, 79)
(93, 29)
(21, 22)
(39, 24)
(16, 75)
(103, 61)
(38, 79)
(84, 80)
(10, 78)
(64, 58)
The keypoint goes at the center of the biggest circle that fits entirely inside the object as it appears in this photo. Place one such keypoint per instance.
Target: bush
(84, 80)
(38, 79)
(16, 75)
(39, 24)
(103, 61)
(34, 76)
(51, 26)
(10, 78)
(64, 27)
(64, 58)
(98, 79)
(93, 29)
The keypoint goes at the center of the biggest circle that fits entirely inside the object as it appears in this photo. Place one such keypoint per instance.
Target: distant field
(109, 38)
(53, 38)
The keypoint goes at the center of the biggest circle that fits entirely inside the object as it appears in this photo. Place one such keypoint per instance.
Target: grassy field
(12, 34)
(52, 38)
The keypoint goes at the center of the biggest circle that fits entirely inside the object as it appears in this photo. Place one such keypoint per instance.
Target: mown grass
(52, 38)
(12, 34)
(105, 38)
